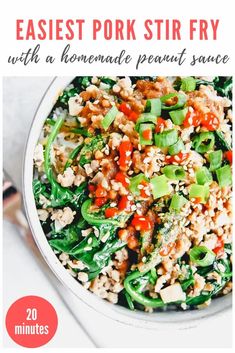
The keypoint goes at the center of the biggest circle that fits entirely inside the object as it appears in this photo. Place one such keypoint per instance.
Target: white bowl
(159, 320)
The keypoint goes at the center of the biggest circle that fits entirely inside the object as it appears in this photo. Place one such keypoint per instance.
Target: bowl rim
(156, 320)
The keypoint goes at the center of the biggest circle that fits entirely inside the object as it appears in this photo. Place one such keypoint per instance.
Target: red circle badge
(31, 321)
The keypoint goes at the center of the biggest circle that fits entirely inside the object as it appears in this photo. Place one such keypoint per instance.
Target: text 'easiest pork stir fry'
(132, 182)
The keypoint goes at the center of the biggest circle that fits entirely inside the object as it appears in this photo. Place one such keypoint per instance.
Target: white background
(24, 277)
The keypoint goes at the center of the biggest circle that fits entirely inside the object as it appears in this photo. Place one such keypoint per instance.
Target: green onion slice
(160, 186)
(166, 138)
(178, 116)
(215, 159)
(204, 142)
(188, 84)
(203, 176)
(224, 176)
(177, 202)
(174, 172)
(154, 106)
(143, 127)
(176, 148)
(109, 118)
(145, 118)
(135, 181)
(199, 191)
(179, 99)
(201, 256)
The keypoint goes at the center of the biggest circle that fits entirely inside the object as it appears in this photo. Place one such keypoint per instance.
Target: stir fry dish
(133, 188)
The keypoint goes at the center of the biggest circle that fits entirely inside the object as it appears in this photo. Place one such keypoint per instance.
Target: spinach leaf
(94, 254)
(76, 226)
(205, 83)
(72, 156)
(227, 273)
(108, 81)
(204, 271)
(228, 248)
(59, 196)
(106, 228)
(97, 254)
(204, 296)
(68, 237)
(200, 299)
(177, 83)
(64, 97)
(109, 248)
(220, 141)
(134, 79)
(81, 131)
(129, 300)
(223, 85)
(97, 260)
(39, 189)
(85, 245)
(96, 143)
(187, 283)
(153, 276)
(79, 195)
(141, 282)
(82, 82)
(188, 279)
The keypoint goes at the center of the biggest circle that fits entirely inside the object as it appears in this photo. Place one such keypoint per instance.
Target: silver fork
(13, 212)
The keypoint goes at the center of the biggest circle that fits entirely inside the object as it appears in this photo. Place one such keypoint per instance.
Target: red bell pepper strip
(125, 152)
